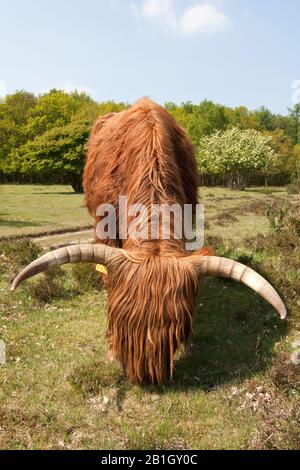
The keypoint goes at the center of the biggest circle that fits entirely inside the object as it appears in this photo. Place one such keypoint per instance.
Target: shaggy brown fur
(143, 154)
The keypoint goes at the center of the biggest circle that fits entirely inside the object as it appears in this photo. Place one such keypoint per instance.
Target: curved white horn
(224, 267)
(89, 253)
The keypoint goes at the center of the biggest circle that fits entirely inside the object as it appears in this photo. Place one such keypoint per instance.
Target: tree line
(43, 138)
(237, 146)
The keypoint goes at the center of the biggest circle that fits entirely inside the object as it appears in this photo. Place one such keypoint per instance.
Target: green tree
(199, 120)
(59, 150)
(236, 154)
(14, 112)
(182, 114)
(265, 119)
(294, 115)
(106, 107)
(282, 147)
(293, 160)
(55, 130)
(293, 166)
(54, 109)
(241, 117)
(206, 118)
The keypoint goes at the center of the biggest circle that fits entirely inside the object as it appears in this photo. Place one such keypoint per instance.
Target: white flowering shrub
(236, 153)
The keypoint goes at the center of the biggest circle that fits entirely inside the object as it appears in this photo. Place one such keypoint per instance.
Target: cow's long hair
(150, 310)
(143, 154)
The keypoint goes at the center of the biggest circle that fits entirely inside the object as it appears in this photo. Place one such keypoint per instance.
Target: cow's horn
(86, 253)
(223, 267)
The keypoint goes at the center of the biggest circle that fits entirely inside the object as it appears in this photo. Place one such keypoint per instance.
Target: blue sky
(230, 51)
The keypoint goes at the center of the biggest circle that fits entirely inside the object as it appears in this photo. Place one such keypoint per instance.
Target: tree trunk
(76, 182)
(236, 181)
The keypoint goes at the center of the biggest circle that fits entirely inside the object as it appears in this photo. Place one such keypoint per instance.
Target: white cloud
(3, 89)
(200, 18)
(203, 18)
(161, 12)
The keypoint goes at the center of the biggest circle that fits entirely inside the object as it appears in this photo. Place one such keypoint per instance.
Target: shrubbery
(52, 284)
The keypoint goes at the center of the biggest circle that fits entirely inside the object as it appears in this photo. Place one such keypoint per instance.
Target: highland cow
(152, 284)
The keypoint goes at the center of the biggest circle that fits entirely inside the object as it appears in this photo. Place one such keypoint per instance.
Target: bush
(53, 283)
(280, 428)
(50, 286)
(294, 187)
(86, 277)
(285, 374)
(276, 213)
(91, 377)
(235, 154)
(281, 252)
(226, 217)
(16, 254)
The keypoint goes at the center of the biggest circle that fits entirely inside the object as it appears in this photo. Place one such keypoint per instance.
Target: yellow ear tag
(101, 268)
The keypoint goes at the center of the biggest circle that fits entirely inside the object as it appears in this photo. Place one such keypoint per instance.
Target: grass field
(35, 209)
(234, 388)
(32, 209)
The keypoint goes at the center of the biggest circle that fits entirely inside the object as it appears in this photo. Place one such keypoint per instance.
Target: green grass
(241, 214)
(31, 209)
(234, 387)
(36, 209)
(57, 378)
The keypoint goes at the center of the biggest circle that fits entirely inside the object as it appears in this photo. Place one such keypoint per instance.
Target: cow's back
(140, 153)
